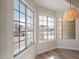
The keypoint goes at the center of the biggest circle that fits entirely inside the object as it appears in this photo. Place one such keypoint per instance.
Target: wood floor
(59, 54)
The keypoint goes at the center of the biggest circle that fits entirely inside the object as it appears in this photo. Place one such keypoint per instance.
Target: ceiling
(56, 5)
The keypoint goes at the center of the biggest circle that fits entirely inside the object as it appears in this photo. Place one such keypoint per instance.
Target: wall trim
(69, 48)
(39, 52)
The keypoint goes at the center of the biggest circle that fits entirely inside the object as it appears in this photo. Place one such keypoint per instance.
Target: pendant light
(71, 13)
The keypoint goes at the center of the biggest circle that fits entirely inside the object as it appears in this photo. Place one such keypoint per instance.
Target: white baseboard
(39, 52)
(69, 48)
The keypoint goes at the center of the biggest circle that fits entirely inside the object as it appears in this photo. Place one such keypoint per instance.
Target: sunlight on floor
(51, 57)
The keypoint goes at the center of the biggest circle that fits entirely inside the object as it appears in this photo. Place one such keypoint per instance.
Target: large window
(23, 27)
(46, 28)
(66, 29)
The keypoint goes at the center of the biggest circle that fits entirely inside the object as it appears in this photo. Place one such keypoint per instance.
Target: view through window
(46, 28)
(23, 27)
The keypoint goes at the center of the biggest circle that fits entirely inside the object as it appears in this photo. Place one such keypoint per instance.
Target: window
(23, 27)
(66, 29)
(46, 28)
(29, 28)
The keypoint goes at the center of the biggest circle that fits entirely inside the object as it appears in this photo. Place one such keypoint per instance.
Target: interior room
(39, 29)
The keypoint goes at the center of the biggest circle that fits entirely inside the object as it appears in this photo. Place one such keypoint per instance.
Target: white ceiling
(57, 5)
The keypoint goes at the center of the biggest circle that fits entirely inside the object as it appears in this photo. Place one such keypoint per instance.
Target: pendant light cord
(70, 3)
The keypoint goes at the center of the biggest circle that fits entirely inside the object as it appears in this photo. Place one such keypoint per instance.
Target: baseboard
(44, 51)
(77, 49)
(56, 47)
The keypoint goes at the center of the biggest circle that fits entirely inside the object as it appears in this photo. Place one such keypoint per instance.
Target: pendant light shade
(71, 13)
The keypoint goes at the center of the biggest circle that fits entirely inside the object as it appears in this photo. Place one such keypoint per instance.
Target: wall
(6, 45)
(46, 11)
(30, 4)
(46, 46)
(69, 43)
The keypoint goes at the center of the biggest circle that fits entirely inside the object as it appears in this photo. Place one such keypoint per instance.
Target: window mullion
(25, 27)
(19, 26)
(62, 27)
(30, 28)
(51, 28)
(47, 29)
(42, 28)
(33, 28)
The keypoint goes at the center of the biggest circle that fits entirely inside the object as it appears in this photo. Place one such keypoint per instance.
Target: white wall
(6, 45)
(45, 11)
(30, 4)
(46, 46)
(69, 43)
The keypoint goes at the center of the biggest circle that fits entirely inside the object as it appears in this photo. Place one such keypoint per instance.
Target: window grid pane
(60, 28)
(22, 8)
(46, 26)
(29, 24)
(23, 24)
(16, 4)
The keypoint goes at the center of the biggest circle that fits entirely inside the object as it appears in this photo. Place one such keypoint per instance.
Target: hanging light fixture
(71, 13)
